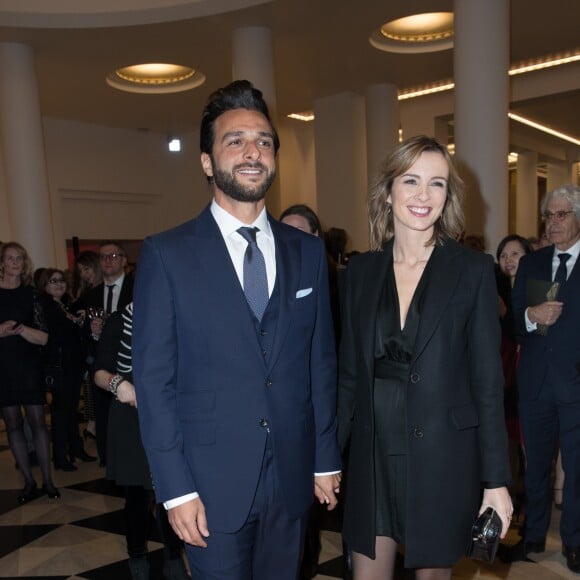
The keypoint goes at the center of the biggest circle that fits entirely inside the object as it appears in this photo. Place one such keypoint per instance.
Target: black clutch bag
(485, 535)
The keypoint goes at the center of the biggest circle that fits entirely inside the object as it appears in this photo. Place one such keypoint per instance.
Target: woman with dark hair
(300, 216)
(63, 370)
(88, 269)
(420, 378)
(22, 334)
(509, 252)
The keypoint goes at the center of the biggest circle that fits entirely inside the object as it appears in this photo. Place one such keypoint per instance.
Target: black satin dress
(393, 352)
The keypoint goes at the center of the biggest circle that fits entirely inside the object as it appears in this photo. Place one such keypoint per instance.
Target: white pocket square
(302, 293)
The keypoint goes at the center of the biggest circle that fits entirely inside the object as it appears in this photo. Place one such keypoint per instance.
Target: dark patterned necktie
(109, 306)
(255, 279)
(562, 272)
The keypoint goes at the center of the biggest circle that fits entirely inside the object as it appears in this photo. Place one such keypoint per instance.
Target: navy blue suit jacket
(203, 385)
(560, 347)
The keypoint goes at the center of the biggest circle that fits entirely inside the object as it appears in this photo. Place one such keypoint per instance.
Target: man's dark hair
(113, 243)
(236, 95)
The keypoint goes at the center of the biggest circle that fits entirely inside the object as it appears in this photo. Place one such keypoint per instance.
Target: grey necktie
(255, 279)
(562, 272)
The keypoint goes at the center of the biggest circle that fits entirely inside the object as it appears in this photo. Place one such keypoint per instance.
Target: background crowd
(57, 328)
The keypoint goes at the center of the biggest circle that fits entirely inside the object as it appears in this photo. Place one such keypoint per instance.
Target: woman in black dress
(22, 334)
(420, 378)
(63, 370)
(127, 463)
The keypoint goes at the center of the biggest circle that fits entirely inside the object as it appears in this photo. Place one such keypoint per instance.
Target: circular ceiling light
(155, 77)
(427, 32)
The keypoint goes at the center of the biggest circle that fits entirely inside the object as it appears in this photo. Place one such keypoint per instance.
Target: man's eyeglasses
(557, 216)
(56, 281)
(113, 256)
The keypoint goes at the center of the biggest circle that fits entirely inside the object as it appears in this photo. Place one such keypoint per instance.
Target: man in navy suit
(549, 374)
(237, 403)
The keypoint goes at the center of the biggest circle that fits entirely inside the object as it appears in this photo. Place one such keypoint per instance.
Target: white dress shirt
(117, 284)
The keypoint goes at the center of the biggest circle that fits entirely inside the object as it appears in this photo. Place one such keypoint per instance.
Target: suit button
(415, 378)
(418, 432)
(264, 353)
(269, 383)
(263, 332)
(263, 422)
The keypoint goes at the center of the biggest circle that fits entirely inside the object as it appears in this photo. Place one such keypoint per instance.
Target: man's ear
(206, 164)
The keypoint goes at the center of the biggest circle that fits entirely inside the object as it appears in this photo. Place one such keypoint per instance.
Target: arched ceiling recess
(111, 13)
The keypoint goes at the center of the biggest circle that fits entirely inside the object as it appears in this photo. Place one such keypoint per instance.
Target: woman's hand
(126, 393)
(10, 328)
(499, 499)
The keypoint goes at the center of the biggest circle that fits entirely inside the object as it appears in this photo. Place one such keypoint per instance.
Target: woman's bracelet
(114, 383)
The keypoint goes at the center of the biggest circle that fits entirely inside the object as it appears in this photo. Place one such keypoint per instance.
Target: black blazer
(455, 420)
(94, 299)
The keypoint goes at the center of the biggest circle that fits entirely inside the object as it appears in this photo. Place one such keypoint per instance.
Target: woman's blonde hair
(27, 270)
(382, 228)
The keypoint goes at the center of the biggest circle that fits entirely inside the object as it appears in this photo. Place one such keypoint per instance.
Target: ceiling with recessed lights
(320, 48)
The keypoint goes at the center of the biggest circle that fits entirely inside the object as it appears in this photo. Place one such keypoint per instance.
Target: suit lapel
(214, 266)
(445, 272)
(373, 287)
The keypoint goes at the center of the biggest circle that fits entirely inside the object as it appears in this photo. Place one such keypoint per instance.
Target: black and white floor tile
(81, 536)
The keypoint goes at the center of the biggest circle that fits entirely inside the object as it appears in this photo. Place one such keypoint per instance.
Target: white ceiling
(320, 48)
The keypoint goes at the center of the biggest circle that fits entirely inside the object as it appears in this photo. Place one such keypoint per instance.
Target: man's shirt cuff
(169, 504)
(530, 326)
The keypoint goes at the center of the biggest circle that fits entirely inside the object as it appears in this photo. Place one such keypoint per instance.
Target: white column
(341, 165)
(527, 195)
(22, 149)
(253, 60)
(382, 125)
(481, 61)
(558, 174)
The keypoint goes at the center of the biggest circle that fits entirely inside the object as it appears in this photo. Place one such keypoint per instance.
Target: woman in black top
(420, 379)
(22, 334)
(63, 370)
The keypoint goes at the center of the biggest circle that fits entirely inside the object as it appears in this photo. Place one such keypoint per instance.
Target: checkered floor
(81, 535)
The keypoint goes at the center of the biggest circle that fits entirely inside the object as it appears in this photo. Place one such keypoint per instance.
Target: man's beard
(228, 183)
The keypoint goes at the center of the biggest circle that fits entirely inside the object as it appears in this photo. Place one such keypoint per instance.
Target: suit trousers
(267, 546)
(545, 421)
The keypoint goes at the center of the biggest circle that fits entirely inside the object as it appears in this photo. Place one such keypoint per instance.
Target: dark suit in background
(549, 399)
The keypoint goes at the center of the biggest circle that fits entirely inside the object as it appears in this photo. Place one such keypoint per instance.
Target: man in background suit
(114, 293)
(549, 374)
(234, 361)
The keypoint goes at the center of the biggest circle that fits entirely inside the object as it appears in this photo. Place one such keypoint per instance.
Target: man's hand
(546, 313)
(325, 488)
(189, 523)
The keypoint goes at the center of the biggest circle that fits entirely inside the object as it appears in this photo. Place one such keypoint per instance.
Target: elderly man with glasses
(114, 293)
(546, 299)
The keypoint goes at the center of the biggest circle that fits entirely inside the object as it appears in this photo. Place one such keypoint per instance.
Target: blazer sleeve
(347, 365)
(155, 358)
(519, 300)
(486, 377)
(323, 376)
